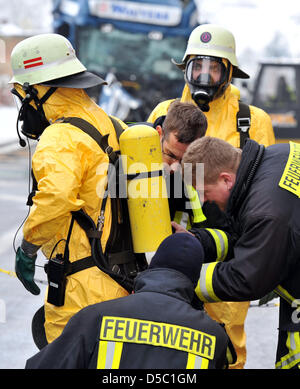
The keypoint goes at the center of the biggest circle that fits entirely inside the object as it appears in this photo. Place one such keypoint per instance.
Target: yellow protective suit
(71, 169)
(221, 119)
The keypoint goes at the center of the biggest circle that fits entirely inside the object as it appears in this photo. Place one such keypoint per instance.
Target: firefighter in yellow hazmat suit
(209, 64)
(69, 167)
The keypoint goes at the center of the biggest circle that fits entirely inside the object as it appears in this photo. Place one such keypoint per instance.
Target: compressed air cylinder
(147, 197)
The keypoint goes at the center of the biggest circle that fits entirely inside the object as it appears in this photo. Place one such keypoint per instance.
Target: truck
(130, 44)
(276, 90)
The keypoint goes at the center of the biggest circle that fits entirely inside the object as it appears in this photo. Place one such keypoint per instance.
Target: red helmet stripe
(30, 63)
(33, 65)
(32, 60)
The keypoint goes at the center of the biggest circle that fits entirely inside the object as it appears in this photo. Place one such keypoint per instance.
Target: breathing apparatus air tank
(147, 197)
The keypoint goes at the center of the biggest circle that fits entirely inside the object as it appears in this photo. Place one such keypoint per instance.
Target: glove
(217, 244)
(25, 269)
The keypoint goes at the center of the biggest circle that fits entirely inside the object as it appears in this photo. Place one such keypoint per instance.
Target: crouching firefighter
(81, 230)
(156, 327)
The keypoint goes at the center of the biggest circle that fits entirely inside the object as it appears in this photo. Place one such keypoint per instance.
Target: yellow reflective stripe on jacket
(221, 242)
(109, 354)
(283, 293)
(195, 204)
(229, 356)
(122, 329)
(204, 289)
(178, 217)
(293, 357)
(196, 362)
(183, 219)
(290, 179)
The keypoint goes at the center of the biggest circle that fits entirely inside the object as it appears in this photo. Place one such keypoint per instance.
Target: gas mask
(34, 120)
(207, 77)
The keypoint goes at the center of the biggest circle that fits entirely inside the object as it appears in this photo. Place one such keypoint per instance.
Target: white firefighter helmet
(50, 59)
(213, 41)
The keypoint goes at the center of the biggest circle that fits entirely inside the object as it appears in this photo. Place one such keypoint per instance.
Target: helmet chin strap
(32, 118)
(32, 94)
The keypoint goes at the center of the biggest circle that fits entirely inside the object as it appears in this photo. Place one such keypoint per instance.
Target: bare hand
(179, 228)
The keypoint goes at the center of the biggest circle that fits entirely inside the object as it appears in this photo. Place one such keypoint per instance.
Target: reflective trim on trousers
(293, 357)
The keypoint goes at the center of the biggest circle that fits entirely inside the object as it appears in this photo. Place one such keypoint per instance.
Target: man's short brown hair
(186, 120)
(216, 155)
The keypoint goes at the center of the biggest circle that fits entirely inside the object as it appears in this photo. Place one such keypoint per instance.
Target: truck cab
(277, 90)
(130, 43)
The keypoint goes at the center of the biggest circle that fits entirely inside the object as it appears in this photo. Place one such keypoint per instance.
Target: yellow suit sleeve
(160, 110)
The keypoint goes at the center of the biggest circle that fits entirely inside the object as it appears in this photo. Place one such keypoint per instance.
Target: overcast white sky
(255, 23)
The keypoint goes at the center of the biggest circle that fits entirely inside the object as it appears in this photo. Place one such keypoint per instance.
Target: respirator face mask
(34, 120)
(207, 78)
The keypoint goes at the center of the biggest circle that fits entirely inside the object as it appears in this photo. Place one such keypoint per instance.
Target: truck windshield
(133, 56)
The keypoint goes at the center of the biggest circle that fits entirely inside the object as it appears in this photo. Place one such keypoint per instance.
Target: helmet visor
(206, 71)
(82, 80)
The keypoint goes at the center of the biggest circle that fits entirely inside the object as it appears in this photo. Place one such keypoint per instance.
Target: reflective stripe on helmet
(44, 57)
(211, 47)
(28, 69)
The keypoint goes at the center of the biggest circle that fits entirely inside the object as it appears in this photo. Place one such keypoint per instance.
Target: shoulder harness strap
(159, 121)
(243, 122)
(95, 134)
(118, 128)
(88, 128)
(33, 190)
